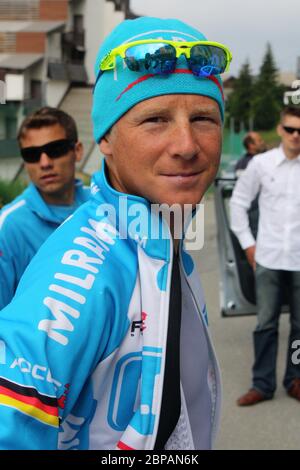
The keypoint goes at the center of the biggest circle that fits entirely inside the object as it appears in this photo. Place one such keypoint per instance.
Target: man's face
(53, 177)
(165, 149)
(290, 142)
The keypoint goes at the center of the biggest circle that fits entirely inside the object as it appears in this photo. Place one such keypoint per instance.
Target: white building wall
(27, 78)
(37, 72)
(76, 8)
(100, 18)
(55, 91)
(54, 46)
(111, 17)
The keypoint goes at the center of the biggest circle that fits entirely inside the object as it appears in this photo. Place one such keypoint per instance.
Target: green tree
(10, 190)
(240, 101)
(267, 94)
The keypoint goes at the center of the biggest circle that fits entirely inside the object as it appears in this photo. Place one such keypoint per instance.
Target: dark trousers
(270, 285)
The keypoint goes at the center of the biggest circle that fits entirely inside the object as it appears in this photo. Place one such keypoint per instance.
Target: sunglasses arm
(109, 61)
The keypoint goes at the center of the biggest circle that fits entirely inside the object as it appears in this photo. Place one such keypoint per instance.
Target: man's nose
(184, 142)
(45, 161)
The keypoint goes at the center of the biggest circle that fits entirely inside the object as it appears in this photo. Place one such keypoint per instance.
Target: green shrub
(10, 190)
(271, 138)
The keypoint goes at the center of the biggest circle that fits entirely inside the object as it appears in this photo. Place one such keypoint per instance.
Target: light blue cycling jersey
(25, 224)
(83, 343)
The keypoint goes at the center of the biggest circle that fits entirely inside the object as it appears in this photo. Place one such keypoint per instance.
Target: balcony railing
(72, 71)
(74, 38)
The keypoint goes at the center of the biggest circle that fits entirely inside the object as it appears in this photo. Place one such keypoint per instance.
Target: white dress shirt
(277, 180)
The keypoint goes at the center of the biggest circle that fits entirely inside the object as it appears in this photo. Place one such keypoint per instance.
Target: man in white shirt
(275, 256)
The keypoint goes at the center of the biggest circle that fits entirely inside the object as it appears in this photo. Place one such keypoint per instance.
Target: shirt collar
(281, 157)
(43, 210)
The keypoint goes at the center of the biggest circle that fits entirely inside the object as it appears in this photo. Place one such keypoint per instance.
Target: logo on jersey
(139, 324)
(62, 399)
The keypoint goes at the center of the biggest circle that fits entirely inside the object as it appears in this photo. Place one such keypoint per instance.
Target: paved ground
(273, 424)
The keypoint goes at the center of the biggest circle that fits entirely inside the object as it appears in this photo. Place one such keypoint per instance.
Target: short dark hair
(46, 117)
(290, 111)
(248, 140)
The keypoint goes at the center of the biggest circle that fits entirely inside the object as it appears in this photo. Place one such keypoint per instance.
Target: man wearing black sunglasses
(275, 256)
(50, 148)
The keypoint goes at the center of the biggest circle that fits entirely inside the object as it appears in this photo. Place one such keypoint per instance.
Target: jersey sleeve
(58, 327)
(8, 269)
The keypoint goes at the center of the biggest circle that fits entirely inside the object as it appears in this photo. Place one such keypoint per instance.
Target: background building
(47, 54)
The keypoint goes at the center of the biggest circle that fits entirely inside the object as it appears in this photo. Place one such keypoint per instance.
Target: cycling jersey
(25, 224)
(83, 342)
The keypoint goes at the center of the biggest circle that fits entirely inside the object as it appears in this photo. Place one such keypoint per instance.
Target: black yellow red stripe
(29, 401)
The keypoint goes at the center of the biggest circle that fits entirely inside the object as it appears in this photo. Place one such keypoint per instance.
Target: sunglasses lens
(30, 154)
(54, 149)
(291, 130)
(151, 58)
(207, 60)
(57, 149)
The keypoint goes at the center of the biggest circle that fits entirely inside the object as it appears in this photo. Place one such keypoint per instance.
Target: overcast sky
(244, 26)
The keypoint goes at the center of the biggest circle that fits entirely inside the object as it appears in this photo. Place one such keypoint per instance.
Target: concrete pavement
(273, 424)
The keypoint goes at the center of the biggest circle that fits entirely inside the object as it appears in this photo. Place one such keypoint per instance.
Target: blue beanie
(119, 90)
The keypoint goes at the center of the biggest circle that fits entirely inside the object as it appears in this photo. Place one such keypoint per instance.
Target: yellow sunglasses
(159, 56)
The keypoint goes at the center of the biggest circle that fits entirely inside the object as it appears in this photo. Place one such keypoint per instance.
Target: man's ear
(105, 145)
(78, 151)
(279, 130)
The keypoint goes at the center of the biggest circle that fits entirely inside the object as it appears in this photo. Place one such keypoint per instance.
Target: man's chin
(51, 188)
(186, 199)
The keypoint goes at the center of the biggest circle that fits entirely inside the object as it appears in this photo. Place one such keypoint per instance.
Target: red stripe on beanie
(136, 82)
(150, 75)
(216, 82)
